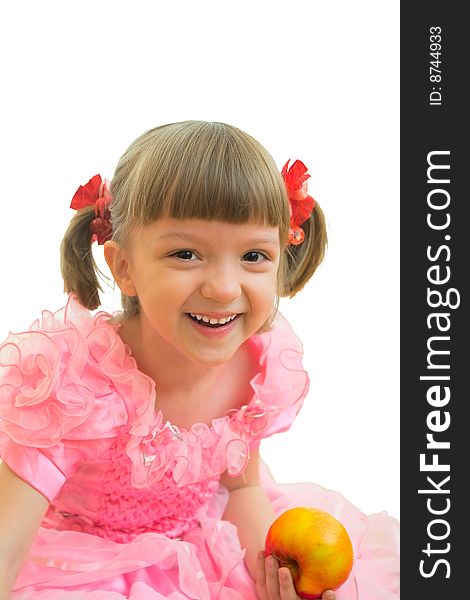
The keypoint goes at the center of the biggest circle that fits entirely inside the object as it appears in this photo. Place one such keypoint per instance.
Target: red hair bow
(300, 203)
(96, 193)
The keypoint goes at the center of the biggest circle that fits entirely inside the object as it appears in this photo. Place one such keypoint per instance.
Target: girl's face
(189, 272)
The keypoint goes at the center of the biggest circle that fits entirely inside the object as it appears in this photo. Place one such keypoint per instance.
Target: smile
(211, 322)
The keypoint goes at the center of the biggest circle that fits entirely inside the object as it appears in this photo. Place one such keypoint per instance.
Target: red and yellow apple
(314, 546)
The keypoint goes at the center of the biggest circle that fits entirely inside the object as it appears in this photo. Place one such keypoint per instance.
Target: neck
(172, 372)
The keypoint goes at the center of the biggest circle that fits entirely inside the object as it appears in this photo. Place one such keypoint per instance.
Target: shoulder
(279, 352)
(50, 382)
(279, 385)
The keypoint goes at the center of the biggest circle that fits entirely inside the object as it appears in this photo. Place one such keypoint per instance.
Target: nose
(221, 283)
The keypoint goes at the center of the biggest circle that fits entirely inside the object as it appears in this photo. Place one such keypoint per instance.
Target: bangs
(210, 171)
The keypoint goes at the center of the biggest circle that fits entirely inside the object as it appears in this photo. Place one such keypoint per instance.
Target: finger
(328, 595)
(261, 576)
(272, 579)
(286, 585)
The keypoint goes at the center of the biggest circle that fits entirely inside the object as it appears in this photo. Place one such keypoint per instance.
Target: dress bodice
(100, 499)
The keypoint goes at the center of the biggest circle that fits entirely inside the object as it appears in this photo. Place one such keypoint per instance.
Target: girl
(130, 441)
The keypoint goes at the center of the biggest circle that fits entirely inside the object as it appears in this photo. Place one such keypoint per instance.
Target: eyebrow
(190, 237)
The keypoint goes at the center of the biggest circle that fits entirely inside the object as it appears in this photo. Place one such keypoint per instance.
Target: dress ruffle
(207, 562)
(151, 566)
(57, 383)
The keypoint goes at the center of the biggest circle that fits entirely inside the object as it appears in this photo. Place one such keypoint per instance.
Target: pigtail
(77, 264)
(300, 262)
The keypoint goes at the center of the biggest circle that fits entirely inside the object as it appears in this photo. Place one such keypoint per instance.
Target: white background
(311, 80)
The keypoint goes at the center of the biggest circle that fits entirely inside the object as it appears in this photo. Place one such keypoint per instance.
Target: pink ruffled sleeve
(279, 387)
(54, 405)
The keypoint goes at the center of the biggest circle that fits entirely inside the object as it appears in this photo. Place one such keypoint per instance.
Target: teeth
(212, 321)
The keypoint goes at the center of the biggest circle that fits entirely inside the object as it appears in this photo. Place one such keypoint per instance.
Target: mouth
(212, 323)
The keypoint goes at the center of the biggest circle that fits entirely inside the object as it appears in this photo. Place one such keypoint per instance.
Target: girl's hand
(275, 583)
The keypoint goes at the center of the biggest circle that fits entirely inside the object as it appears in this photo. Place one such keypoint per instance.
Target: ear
(118, 263)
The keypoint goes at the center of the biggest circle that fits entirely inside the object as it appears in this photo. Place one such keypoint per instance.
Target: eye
(255, 257)
(184, 255)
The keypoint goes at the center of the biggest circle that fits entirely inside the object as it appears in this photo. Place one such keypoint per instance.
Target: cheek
(264, 292)
(170, 287)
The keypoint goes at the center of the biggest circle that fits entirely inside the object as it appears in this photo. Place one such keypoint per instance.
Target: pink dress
(136, 504)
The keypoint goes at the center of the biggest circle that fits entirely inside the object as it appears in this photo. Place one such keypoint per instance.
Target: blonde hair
(193, 170)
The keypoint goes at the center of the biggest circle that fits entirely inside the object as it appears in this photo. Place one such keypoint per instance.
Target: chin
(212, 361)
